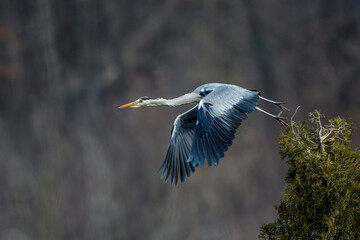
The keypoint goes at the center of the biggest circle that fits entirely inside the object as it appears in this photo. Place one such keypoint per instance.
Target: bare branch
(291, 119)
(326, 134)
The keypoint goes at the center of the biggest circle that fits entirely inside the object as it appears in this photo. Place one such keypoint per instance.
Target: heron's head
(143, 101)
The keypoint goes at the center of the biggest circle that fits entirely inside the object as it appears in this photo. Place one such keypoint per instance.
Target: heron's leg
(279, 104)
(278, 117)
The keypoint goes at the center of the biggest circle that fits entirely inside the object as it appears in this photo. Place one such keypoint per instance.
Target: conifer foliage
(322, 199)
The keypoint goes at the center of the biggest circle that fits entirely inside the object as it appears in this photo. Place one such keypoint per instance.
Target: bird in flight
(205, 132)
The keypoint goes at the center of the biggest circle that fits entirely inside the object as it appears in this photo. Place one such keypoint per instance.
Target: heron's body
(204, 132)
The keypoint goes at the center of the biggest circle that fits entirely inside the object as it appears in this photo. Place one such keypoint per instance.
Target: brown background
(73, 166)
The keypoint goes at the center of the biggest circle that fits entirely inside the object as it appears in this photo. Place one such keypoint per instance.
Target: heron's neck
(184, 99)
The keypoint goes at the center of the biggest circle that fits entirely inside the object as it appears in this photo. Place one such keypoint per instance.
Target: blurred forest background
(74, 166)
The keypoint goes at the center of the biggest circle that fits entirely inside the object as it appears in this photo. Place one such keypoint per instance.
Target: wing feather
(206, 131)
(175, 166)
(219, 114)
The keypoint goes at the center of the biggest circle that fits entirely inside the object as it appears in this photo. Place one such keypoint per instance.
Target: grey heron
(205, 131)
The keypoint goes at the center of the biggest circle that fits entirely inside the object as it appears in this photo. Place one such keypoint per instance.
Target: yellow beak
(128, 105)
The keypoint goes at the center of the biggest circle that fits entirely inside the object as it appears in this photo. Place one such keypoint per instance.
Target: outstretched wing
(175, 164)
(219, 114)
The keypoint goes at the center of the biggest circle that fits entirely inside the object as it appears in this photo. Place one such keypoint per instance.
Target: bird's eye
(140, 101)
(204, 92)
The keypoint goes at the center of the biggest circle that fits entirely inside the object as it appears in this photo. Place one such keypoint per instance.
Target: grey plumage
(205, 132)
(175, 164)
(210, 132)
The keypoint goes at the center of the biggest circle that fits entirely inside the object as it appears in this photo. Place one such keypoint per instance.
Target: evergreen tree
(322, 199)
